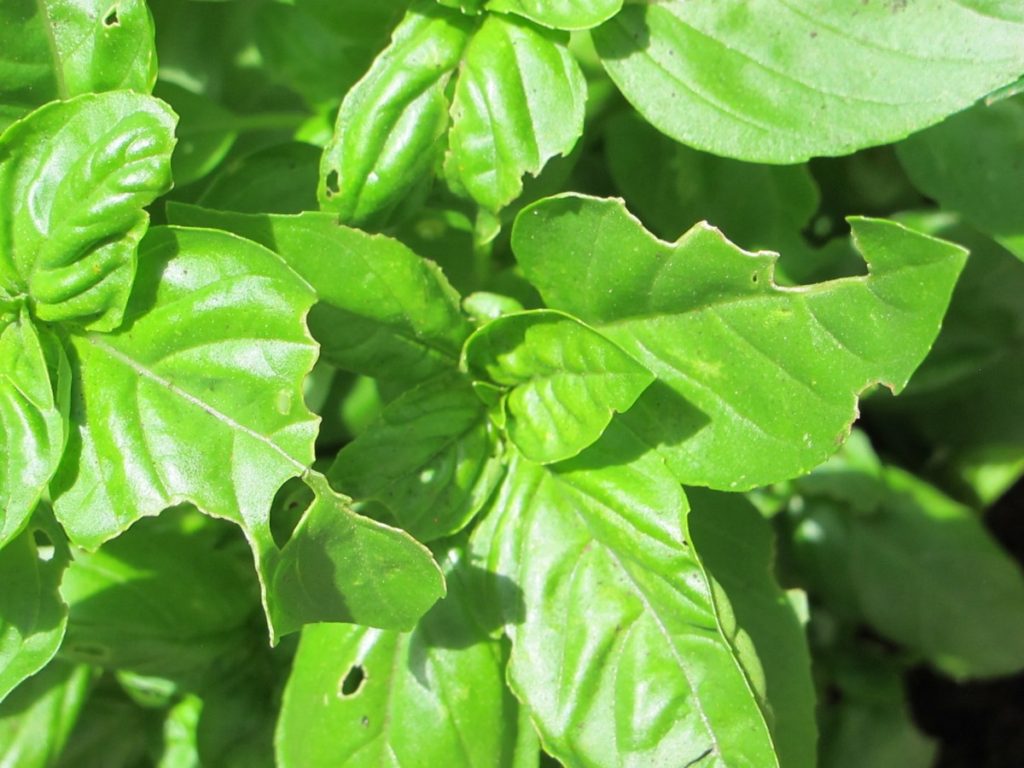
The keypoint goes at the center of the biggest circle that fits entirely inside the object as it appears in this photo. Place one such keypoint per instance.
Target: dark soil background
(978, 724)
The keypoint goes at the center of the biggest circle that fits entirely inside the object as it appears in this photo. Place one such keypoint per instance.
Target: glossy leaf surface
(756, 382)
(564, 381)
(431, 459)
(391, 124)
(56, 49)
(213, 334)
(32, 614)
(783, 82)
(560, 14)
(368, 697)
(74, 179)
(383, 311)
(619, 653)
(34, 385)
(518, 102)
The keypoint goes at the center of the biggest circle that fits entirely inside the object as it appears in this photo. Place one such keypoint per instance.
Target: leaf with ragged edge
(560, 14)
(737, 548)
(32, 615)
(383, 311)
(56, 49)
(756, 382)
(212, 357)
(782, 82)
(922, 569)
(362, 697)
(75, 177)
(974, 163)
(34, 390)
(518, 102)
(619, 653)
(966, 402)
(341, 567)
(564, 380)
(37, 718)
(391, 124)
(431, 459)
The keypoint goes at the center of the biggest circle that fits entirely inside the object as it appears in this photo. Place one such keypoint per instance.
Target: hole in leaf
(44, 545)
(754, 277)
(290, 503)
(333, 184)
(111, 20)
(353, 681)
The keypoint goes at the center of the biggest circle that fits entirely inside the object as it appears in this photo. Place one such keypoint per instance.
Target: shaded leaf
(563, 380)
(341, 567)
(757, 382)
(383, 311)
(278, 179)
(34, 390)
(37, 718)
(32, 614)
(782, 82)
(56, 49)
(737, 547)
(75, 177)
(619, 650)
(133, 607)
(974, 163)
(431, 459)
(922, 569)
(436, 696)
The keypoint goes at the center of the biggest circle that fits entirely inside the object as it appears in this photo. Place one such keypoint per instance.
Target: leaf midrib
(117, 355)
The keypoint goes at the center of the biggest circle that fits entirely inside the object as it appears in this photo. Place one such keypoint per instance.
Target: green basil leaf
(35, 382)
(206, 132)
(278, 179)
(131, 605)
(211, 360)
(341, 567)
(431, 459)
(923, 570)
(37, 718)
(757, 382)
(518, 102)
(971, 163)
(737, 547)
(560, 14)
(619, 652)
(75, 177)
(320, 48)
(56, 49)
(383, 311)
(966, 402)
(672, 187)
(32, 615)
(435, 696)
(392, 123)
(565, 381)
(778, 83)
